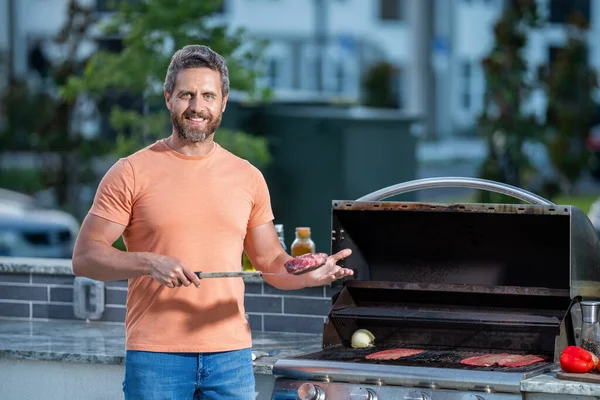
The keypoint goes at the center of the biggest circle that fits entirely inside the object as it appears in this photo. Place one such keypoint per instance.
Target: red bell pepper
(578, 360)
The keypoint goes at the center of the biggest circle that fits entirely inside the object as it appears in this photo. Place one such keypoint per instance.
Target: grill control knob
(308, 391)
(416, 395)
(362, 394)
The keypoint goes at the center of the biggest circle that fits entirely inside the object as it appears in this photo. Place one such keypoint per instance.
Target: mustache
(192, 114)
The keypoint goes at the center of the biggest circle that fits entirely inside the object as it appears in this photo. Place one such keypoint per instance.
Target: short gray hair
(196, 56)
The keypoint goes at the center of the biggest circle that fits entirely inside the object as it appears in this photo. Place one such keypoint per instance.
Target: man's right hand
(96, 258)
(172, 272)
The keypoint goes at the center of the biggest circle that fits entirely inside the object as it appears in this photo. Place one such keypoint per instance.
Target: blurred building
(321, 50)
(471, 27)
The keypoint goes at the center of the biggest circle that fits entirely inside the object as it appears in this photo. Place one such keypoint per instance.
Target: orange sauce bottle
(303, 243)
(246, 263)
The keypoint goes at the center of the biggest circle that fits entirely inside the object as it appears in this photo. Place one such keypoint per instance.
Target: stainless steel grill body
(455, 280)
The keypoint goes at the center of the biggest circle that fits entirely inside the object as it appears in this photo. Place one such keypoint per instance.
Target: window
(319, 70)
(309, 66)
(391, 10)
(466, 77)
(339, 78)
(335, 77)
(273, 73)
(562, 10)
(277, 72)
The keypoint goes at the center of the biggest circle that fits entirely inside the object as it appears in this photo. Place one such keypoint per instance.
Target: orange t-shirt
(197, 209)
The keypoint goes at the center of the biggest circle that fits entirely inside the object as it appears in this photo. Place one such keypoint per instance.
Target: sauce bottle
(303, 243)
(246, 263)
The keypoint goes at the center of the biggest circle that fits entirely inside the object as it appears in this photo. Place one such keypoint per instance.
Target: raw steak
(304, 262)
(519, 361)
(485, 360)
(503, 360)
(393, 354)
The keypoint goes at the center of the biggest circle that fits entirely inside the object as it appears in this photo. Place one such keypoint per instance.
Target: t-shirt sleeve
(114, 198)
(261, 209)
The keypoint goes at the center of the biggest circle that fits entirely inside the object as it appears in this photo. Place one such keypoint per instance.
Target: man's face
(196, 104)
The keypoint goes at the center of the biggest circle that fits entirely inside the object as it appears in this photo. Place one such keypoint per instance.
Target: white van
(30, 231)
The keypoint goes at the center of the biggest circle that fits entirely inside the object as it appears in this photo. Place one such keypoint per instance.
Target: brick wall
(271, 309)
(32, 295)
(42, 296)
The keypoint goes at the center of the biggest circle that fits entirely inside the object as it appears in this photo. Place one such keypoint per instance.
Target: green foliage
(120, 244)
(504, 123)
(378, 85)
(252, 148)
(151, 31)
(20, 131)
(39, 121)
(569, 85)
(21, 180)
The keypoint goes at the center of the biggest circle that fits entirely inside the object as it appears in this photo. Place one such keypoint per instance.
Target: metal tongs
(258, 274)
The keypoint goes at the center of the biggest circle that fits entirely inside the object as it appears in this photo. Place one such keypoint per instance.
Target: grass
(583, 202)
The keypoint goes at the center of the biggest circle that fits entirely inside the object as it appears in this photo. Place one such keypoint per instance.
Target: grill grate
(434, 357)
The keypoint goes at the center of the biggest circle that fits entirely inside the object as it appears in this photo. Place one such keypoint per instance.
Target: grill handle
(471, 183)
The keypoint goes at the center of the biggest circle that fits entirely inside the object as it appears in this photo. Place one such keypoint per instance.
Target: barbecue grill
(456, 280)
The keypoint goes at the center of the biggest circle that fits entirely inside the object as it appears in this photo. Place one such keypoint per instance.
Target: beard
(187, 132)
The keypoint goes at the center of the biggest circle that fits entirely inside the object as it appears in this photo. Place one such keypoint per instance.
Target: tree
(18, 134)
(380, 86)
(150, 32)
(38, 120)
(504, 122)
(18, 100)
(570, 113)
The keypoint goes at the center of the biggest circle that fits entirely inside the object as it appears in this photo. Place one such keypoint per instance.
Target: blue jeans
(224, 375)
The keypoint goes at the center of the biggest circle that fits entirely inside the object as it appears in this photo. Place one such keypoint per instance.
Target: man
(185, 204)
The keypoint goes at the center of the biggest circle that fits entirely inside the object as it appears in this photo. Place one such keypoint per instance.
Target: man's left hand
(330, 271)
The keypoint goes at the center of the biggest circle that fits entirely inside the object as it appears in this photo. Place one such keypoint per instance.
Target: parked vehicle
(27, 230)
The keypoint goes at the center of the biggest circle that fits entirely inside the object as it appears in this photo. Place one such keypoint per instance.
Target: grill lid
(487, 276)
(473, 246)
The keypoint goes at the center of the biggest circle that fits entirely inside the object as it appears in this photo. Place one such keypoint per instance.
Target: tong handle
(232, 274)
